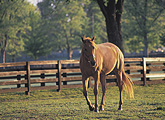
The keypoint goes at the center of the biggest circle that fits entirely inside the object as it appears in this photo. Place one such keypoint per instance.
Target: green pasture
(149, 103)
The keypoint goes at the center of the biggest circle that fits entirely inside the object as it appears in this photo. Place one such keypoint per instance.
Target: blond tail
(128, 84)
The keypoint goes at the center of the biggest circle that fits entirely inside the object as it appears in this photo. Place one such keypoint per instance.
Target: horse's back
(112, 56)
(111, 45)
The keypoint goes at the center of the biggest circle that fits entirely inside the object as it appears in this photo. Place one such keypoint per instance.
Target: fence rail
(39, 75)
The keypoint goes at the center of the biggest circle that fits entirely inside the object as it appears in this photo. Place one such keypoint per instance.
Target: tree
(112, 11)
(143, 24)
(64, 22)
(12, 22)
(96, 22)
(36, 42)
(15, 47)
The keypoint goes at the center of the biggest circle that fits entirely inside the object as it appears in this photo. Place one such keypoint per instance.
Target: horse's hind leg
(104, 89)
(120, 85)
(85, 85)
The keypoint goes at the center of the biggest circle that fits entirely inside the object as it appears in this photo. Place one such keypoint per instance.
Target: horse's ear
(82, 38)
(93, 38)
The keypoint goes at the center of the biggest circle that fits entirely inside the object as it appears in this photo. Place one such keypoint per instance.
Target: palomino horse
(97, 61)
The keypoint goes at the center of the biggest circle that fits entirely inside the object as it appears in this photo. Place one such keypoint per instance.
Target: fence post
(59, 75)
(18, 78)
(64, 75)
(144, 71)
(28, 78)
(42, 76)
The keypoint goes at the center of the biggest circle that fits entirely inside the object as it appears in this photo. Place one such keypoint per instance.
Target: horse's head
(88, 48)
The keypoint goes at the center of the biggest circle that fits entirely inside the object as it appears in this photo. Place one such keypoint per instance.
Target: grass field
(149, 103)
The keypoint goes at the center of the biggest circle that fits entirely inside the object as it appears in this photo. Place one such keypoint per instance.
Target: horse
(97, 60)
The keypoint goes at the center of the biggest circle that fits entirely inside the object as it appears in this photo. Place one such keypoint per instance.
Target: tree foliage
(65, 23)
(96, 23)
(143, 25)
(59, 24)
(13, 21)
(36, 41)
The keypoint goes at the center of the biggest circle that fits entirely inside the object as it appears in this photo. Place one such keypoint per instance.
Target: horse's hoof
(96, 111)
(120, 109)
(101, 108)
(91, 108)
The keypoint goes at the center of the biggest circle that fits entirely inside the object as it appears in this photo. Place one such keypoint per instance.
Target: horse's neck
(98, 53)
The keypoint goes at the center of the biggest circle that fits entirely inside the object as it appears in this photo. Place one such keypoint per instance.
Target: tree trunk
(3, 49)
(113, 34)
(145, 30)
(113, 14)
(3, 55)
(68, 46)
(93, 27)
(68, 53)
(145, 45)
(13, 58)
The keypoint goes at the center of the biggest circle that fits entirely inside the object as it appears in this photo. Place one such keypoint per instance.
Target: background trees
(96, 23)
(143, 25)
(35, 37)
(67, 23)
(12, 22)
(57, 25)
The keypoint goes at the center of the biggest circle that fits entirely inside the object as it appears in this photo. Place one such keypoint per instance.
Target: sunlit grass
(149, 103)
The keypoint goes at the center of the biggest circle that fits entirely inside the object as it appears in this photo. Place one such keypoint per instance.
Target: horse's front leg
(104, 89)
(96, 91)
(85, 92)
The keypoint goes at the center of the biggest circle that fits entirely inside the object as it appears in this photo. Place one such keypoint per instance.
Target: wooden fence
(39, 75)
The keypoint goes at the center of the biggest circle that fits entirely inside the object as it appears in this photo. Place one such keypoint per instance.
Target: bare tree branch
(156, 17)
